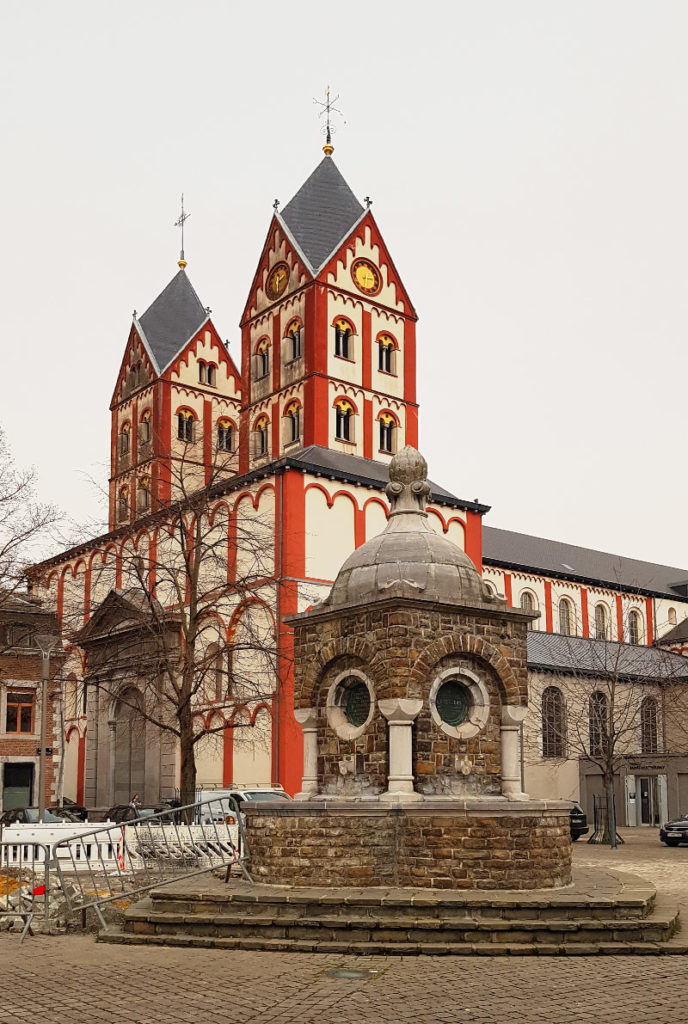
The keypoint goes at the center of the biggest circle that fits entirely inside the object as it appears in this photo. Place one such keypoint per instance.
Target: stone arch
(317, 666)
(467, 643)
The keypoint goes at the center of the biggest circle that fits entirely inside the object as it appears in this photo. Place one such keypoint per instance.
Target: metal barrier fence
(25, 881)
(115, 861)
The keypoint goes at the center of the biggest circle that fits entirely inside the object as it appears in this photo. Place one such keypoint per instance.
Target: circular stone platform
(438, 844)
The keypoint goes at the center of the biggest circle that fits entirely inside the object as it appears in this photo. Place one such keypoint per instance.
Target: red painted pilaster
(409, 361)
(368, 428)
(276, 350)
(316, 412)
(507, 587)
(650, 620)
(276, 426)
(474, 538)
(548, 606)
(412, 425)
(619, 618)
(208, 438)
(367, 349)
(585, 622)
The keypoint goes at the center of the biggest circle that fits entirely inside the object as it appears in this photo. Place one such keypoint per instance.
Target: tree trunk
(188, 756)
(611, 808)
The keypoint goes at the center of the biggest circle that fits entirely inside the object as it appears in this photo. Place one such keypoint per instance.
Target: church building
(296, 440)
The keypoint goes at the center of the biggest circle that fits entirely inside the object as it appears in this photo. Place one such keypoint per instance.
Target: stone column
(400, 713)
(512, 718)
(308, 720)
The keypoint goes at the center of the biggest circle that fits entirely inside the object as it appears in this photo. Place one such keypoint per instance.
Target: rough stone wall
(519, 849)
(401, 649)
(436, 754)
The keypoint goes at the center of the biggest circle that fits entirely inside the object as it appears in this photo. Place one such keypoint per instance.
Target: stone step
(146, 919)
(289, 907)
(114, 935)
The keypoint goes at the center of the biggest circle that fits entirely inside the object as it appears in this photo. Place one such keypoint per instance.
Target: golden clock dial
(366, 277)
(277, 280)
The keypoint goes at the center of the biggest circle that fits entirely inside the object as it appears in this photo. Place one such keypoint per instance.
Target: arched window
(601, 622)
(388, 425)
(125, 439)
(261, 436)
(293, 336)
(553, 723)
(343, 345)
(597, 717)
(344, 420)
(211, 374)
(528, 602)
(292, 414)
(143, 497)
(202, 372)
(565, 617)
(386, 353)
(225, 435)
(634, 627)
(123, 504)
(185, 425)
(672, 616)
(648, 726)
(145, 428)
(262, 361)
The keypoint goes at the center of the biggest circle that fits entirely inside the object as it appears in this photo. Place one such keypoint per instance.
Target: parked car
(31, 816)
(126, 812)
(675, 832)
(579, 822)
(223, 810)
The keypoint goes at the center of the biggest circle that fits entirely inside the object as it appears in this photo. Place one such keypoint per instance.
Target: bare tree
(191, 622)
(602, 701)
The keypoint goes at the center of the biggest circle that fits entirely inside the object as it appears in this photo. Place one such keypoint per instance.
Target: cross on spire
(180, 224)
(328, 108)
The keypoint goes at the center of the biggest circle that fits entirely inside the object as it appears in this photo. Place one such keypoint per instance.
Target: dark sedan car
(127, 812)
(30, 816)
(675, 832)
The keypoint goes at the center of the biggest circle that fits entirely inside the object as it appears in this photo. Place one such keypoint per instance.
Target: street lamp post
(46, 643)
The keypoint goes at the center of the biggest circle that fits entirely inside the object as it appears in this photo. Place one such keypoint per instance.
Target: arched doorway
(129, 768)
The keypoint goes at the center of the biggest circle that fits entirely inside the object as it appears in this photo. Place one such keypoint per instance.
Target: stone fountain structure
(411, 687)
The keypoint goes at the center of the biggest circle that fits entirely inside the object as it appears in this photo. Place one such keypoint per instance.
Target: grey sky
(528, 166)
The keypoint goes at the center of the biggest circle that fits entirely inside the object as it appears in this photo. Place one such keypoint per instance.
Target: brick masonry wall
(528, 847)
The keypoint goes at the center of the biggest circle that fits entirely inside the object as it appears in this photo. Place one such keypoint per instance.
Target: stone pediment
(120, 611)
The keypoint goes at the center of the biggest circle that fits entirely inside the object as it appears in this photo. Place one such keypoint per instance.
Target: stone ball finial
(408, 488)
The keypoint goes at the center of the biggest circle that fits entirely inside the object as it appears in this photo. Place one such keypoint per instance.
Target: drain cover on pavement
(351, 973)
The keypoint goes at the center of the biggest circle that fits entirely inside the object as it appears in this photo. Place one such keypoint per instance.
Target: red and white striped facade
(319, 510)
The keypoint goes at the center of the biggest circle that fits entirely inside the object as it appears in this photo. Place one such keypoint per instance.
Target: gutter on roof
(588, 580)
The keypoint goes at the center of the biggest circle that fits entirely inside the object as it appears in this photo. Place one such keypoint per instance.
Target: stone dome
(408, 559)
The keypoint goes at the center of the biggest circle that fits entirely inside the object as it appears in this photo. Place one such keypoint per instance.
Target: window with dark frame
(342, 334)
(553, 723)
(385, 359)
(343, 421)
(123, 504)
(185, 423)
(648, 726)
(294, 335)
(634, 627)
(387, 425)
(601, 628)
(225, 436)
(597, 713)
(19, 711)
(565, 617)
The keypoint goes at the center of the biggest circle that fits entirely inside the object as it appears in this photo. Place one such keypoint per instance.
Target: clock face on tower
(366, 277)
(277, 280)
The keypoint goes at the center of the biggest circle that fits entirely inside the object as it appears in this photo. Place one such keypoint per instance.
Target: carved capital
(400, 710)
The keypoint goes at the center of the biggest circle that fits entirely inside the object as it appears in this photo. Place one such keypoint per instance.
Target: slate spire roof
(171, 320)
(321, 214)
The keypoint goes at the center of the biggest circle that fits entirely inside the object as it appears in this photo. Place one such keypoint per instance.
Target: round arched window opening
(459, 703)
(356, 704)
(453, 702)
(350, 704)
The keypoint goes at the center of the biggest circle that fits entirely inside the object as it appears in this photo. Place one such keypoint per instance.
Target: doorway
(646, 797)
(17, 785)
(130, 749)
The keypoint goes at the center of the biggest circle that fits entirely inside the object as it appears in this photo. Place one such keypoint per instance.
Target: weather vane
(328, 108)
(180, 224)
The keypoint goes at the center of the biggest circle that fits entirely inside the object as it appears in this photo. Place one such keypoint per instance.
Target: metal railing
(113, 862)
(25, 883)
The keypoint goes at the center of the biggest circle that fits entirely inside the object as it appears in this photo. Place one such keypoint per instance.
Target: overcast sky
(529, 171)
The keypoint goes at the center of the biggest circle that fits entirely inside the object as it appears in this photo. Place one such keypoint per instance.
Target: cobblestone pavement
(70, 978)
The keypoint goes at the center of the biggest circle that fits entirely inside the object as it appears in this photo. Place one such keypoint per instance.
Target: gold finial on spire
(328, 108)
(181, 262)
